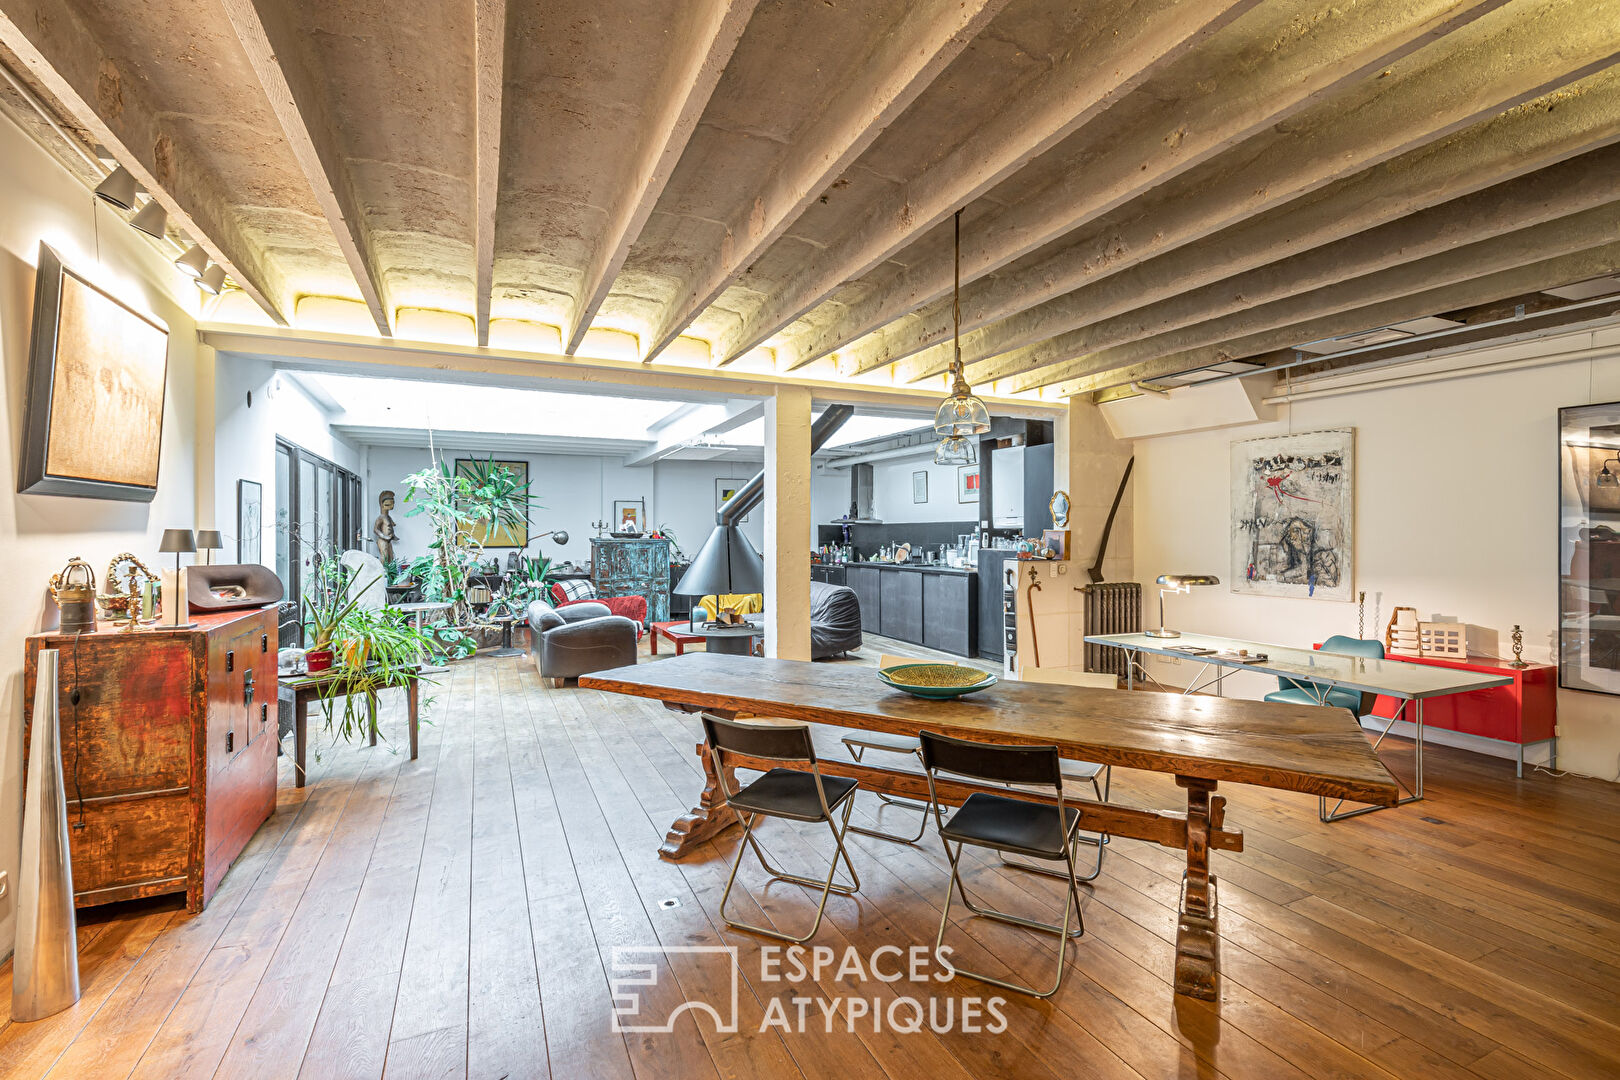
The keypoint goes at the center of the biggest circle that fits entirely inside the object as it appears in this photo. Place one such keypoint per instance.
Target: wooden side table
(331, 683)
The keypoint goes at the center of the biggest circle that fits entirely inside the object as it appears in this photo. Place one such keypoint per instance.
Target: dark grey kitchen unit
(865, 580)
(901, 601)
(930, 606)
(950, 612)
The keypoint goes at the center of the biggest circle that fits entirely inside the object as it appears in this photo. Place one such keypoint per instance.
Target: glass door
(317, 515)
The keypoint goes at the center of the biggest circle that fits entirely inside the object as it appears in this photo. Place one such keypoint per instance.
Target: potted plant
(326, 605)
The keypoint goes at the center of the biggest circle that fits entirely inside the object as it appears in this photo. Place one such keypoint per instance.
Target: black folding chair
(1005, 824)
(794, 794)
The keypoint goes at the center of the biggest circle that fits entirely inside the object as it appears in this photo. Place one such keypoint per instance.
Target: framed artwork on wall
(1589, 548)
(249, 521)
(967, 484)
(500, 534)
(93, 426)
(919, 487)
(1293, 506)
(724, 488)
(630, 515)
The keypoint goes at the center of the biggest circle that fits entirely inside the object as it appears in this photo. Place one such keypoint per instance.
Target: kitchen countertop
(916, 568)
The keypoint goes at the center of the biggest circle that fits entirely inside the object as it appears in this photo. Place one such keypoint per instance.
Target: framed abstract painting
(1293, 505)
(97, 368)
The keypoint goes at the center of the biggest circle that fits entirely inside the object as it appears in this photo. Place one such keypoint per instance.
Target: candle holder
(1518, 647)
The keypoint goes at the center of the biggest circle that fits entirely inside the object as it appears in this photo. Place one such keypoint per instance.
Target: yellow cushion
(741, 603)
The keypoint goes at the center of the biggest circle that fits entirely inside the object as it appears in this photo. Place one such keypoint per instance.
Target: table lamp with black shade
(209, 540)
(1177, 583)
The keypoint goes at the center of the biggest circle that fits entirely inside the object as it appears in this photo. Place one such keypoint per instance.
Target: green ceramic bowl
(936, 681)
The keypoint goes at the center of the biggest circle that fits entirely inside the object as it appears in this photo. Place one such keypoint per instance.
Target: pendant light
(961, 415)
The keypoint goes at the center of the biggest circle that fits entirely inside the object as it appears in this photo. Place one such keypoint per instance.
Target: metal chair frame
(1101, 842)
(857, 752)
(1071, 902)
(747, 815)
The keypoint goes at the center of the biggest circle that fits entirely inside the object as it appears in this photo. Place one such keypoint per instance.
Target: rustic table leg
(710, 817)
(300, 735)
(412, 697)
(1197, 934)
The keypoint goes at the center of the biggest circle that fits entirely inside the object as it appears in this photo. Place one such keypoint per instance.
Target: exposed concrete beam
(1568, 188)
(489, 85)
(900, 68)
(271, 37)
(1573, 233)
(710, 32)
(1577, 266)
(63, 52)
(1081, 86)
(1494, 63)
(1532, 136)
(304, 350)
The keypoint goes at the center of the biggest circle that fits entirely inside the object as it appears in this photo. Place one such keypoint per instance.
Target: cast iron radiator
(1113, 607)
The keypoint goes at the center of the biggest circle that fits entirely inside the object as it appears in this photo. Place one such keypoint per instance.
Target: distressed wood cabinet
(169, 759)
(633, 568)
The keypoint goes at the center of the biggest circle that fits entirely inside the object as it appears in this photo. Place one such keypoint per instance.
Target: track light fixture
(153, 220)
(194, 261)
(213, 280)
(118, 189)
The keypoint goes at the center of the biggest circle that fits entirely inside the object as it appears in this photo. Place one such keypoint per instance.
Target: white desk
(1319, 672)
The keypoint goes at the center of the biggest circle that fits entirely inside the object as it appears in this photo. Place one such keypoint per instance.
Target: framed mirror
(1060, 509)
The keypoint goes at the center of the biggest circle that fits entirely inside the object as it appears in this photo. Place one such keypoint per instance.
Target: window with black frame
(317, 512)
(1589, 548)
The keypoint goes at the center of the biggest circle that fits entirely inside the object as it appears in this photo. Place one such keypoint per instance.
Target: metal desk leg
(1130, 668)
(1416, 791)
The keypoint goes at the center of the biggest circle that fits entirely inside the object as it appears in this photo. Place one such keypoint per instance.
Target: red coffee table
(676, 636)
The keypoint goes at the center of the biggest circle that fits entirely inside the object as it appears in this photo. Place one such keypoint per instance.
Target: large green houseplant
(463, 508)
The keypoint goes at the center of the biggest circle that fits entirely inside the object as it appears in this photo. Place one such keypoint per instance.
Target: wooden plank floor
(458, 915)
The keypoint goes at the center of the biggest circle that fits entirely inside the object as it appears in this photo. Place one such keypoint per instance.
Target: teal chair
(1296, 692)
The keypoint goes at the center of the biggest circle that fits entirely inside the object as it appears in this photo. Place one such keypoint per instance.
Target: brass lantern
(74, 590)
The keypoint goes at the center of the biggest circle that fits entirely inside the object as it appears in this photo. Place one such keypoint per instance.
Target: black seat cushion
(791, 793)
(996, 821)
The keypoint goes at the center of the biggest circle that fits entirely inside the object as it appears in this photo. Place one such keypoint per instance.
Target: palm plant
(463, 508)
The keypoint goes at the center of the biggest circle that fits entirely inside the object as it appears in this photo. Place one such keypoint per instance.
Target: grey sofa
(578, 639)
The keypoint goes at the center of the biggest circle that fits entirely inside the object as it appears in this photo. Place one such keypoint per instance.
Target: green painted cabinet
(633, 568)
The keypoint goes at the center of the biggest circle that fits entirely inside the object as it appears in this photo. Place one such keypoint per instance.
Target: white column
(205, 445)
(787, 524)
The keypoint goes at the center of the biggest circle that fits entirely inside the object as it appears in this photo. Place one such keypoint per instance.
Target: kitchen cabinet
(949, 612)
(865, 580)
(992, 582)
(901, 605)
(828, 574)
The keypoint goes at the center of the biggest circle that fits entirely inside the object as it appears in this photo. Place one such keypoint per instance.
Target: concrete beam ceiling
(1148, 187)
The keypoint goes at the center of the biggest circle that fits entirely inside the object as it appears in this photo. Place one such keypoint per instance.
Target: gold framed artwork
(498, 534)
(97, 370)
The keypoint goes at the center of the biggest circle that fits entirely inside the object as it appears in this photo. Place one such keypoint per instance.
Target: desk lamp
(1177, 583)
(209, 540)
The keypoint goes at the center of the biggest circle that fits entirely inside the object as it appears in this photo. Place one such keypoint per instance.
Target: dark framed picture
(629, 515)
(513, 533)
(967, 484)
(919, 486)
(97, 369)
(249, 521)
(1588, 655)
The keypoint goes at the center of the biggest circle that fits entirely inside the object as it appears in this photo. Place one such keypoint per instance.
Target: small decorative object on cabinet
(1518, 647)
(1401, 636)
(126, 605)
(173, 749)
(74, 590)
(1443, 639)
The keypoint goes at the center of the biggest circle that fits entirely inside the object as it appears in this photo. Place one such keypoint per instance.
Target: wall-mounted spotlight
(118, 189)
(194, 261)
(153, 220)
(213, 280)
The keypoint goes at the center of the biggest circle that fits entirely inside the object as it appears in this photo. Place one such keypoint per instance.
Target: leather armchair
(578, 639)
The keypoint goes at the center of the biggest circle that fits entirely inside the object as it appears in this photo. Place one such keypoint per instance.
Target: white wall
(1455, 514)
(42, 201)
(245, 440)
(571, 491)
(891, 491)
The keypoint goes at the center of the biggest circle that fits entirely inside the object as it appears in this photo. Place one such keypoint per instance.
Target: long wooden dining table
(1202, 741)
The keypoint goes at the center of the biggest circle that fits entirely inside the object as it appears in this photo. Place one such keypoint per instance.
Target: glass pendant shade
(956, 450)
(961, 413)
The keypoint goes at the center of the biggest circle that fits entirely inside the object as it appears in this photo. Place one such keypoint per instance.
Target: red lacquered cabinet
(1524, 712)
(170, 763)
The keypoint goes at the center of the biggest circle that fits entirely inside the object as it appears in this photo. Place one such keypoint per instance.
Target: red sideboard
(1524, 712)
